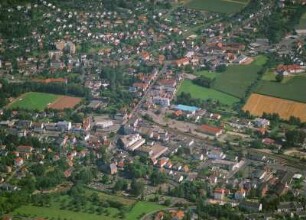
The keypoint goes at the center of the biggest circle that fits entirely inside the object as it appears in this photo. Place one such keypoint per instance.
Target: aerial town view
(152, 109)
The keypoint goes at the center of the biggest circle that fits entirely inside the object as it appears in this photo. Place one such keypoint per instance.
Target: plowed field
(258, 104)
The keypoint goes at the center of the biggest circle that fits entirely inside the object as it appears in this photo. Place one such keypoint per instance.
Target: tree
(157, 177)
(203, 81)
(279, 77)
(295, 137)
(137, 187)
(105, 179)
(120, 185)
(221, 68)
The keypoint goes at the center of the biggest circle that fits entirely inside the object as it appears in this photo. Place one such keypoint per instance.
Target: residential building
(251, 206)
(216, 155)
(18, 161)
(240, 194)
(220, 193)
(113, 168)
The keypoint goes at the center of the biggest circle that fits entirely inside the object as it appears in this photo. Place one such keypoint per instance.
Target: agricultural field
(291, 89)
(258, 104)
(40, 101)
(220, 6)
(199, 92)
(33, 101)
(237, 78)
(66, 207)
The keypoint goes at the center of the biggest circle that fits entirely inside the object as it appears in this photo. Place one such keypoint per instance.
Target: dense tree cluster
(203, 81)
(281, 22)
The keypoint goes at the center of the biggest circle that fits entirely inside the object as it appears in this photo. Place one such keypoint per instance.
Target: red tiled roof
(288, 68)
(182, 61)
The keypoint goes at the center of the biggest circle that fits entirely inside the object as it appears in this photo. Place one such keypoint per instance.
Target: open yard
(199, 92)
(237, 78)
(258, 104)
(292, 89)
(40, 101)
(221, 6)
(33, 101)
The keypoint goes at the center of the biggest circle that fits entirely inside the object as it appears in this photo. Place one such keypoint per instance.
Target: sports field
(293, 89)
(221, 6)
(40, 101)
(237, 78)
(65, 102)
(258, 104)
(199, 92)
(33, 101)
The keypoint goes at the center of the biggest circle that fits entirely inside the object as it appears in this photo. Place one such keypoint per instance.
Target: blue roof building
(186, 108)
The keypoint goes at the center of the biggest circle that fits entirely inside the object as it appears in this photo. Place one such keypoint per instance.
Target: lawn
(237, 78)
(221, 6)
(206, 73)
(270, 76)
(203, 93)
(33, 101)
(142, 207)
(302, 23)
(293, 89)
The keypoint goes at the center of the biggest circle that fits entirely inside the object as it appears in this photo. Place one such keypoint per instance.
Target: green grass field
(203, 93)
(270, 76)
(237, 78)
(134, 209)
(208, 74)
(142, 207)
(302, 23)
(33, 101)
(221, 6)
(293, 89)
(54, 212)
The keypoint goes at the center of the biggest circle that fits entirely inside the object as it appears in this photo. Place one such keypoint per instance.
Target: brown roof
(24, 149)
(177, 214)
(210, 129)
(52, 80)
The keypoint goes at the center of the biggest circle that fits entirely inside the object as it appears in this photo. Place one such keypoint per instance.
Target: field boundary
(278, 97)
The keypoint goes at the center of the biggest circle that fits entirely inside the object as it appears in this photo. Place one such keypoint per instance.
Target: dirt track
(65, 102)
